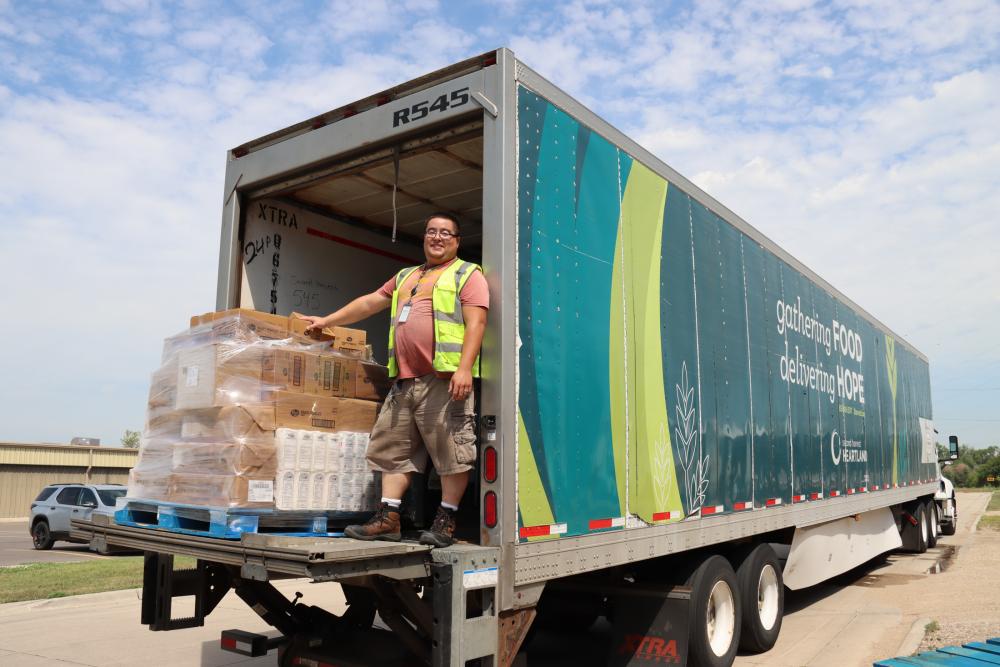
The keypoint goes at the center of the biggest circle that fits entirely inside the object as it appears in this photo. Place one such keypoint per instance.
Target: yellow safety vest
(449, 325)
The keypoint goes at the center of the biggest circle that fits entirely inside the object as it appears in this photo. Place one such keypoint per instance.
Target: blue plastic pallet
(973, 654)
(231, 523)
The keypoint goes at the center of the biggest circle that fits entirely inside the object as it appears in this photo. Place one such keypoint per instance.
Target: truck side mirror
(953, 446)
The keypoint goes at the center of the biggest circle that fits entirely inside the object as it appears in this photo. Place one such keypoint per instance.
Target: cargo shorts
(419, 419)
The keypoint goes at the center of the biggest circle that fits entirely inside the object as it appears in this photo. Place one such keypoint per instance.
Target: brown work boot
(442, 532)
(384, 525)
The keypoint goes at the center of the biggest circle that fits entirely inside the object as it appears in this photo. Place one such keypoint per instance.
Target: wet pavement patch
(944, 560)
(886, 580)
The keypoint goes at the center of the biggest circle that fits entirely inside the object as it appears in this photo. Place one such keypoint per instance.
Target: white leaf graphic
(695, 468)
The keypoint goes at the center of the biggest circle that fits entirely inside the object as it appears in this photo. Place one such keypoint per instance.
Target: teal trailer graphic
(671, 368)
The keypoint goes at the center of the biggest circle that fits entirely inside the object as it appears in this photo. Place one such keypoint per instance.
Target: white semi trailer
(677, 419)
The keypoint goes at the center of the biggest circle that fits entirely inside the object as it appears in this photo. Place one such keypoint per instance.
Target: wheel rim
(934, 523)
(40, 534)
(720, 618)
(767, 597)
(923, 527)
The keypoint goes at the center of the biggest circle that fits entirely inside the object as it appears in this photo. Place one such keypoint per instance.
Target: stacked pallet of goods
(247, 411)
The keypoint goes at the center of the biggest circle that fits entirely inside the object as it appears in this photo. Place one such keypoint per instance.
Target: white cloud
(863, 138)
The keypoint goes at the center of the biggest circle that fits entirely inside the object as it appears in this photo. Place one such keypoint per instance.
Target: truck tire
(932, 523)
(950, 527)
(716, 614)
(41, 536)
(762, 592)
(914, 533)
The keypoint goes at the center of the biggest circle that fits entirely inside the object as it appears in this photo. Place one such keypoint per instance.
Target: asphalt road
(16, 548)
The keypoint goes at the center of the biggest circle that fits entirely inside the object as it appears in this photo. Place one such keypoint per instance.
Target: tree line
(973, 467)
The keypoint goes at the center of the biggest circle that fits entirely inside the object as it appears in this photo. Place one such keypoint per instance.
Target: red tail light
(490, 509)
(490, 464)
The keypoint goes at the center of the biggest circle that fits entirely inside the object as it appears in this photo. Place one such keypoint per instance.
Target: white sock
(449, 506)
(393, 502)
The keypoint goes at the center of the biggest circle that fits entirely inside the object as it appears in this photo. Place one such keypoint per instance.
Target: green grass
(991, 522)
(994, 502)
(40, 581)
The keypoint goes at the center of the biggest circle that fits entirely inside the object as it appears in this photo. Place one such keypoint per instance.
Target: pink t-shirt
(414, 345)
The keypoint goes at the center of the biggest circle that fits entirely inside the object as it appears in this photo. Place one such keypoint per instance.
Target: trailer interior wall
(678, 369)
(315, 246)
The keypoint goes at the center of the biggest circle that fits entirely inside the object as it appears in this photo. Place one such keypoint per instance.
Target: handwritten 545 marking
(421, 110)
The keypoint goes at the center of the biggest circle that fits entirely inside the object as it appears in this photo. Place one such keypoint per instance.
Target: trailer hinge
(486, 103)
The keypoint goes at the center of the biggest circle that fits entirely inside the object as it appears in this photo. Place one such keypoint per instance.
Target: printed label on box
(260, 491)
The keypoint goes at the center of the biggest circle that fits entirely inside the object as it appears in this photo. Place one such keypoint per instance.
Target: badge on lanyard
(405, 311)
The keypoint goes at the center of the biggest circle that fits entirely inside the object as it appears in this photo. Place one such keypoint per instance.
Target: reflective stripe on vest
(449, 324)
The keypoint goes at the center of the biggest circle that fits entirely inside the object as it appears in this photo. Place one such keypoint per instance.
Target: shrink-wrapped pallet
(241, 415)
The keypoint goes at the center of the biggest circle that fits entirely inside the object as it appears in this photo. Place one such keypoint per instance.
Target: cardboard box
(356, 350)
(221, 490)
(242, 323)
(253, 458)
(226, 374)
(216, 375)
(371, 381)
(346, 377)
(284, 369)
(163, 387)
(162, 423)
(237, 423)
(343, 335)
(148, 485)
(303, 411)
(174, 344)
(327, 375)
(155, 456)
(297, 329)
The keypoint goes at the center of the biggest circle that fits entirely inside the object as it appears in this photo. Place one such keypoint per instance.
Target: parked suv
(57, 504)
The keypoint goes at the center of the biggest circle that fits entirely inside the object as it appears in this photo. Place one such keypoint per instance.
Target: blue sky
(864, 139)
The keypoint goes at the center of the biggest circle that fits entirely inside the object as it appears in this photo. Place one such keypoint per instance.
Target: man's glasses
(443, 234)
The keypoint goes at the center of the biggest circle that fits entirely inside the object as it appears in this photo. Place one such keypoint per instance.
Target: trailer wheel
(715, 613)
(932, 523)
(914, 530)
(925, 531)
(950, 527)
(763, 594)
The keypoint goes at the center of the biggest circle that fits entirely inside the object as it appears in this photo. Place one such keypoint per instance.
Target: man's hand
(461, 385)
(315, 322)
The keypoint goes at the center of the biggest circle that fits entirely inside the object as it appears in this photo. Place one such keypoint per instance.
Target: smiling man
(438, 318)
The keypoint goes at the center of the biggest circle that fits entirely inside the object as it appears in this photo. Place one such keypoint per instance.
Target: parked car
(57, 504)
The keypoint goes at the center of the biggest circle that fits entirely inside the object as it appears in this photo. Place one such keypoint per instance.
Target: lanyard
(424, 270)
(404, 312)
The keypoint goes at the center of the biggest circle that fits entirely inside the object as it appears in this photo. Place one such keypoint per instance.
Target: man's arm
(355, 311)
(475, 326)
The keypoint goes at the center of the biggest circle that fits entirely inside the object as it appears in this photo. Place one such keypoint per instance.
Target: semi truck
(676, 418)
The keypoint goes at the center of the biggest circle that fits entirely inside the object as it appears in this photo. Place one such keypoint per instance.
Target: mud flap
(650, 626)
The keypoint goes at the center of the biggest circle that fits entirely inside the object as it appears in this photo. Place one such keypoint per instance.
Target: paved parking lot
(103, 630)
(869, 613)
(16, 548)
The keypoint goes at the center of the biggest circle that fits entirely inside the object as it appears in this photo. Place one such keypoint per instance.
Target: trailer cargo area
(313, 243)
(676, 417)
